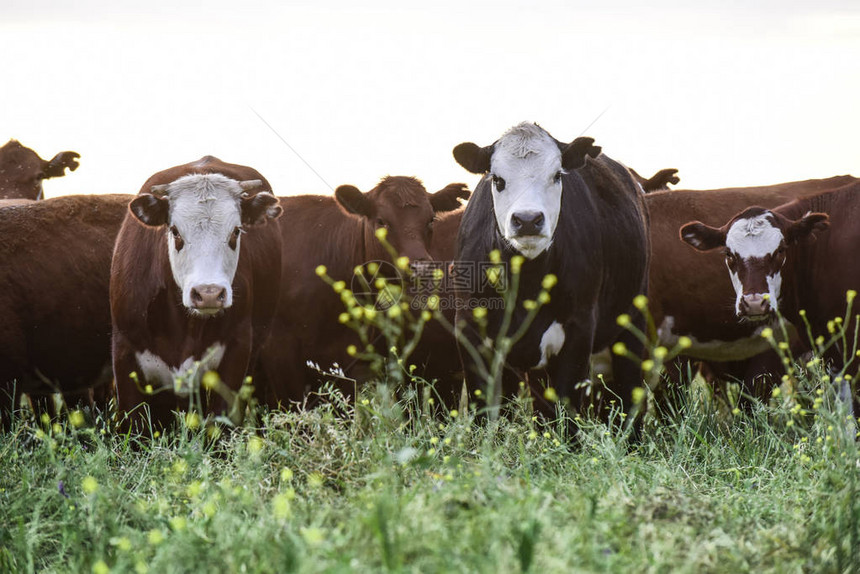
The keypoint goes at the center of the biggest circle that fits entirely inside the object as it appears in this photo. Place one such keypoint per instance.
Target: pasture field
(399, 483)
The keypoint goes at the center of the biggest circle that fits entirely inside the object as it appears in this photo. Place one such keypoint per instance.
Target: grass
(401, 484)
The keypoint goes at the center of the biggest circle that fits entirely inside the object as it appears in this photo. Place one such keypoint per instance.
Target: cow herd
(140, 297)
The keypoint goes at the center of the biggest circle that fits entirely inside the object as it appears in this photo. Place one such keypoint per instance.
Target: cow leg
(572, 365)
(137, 409)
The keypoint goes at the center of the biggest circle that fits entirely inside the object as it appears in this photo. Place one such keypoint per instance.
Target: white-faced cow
(22, 170)
(690, 293)
(571, 212)
(54, 305)
(773, 261)
(340, 233)
(195, 281)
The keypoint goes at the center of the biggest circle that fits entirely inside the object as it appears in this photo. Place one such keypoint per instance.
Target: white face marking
(205, 209)
(550, 343)
(753, 237)
(528, 160)
(182, 379)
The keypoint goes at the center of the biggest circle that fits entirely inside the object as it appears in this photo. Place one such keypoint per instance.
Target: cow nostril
(539, 219)
(222, 296)
(196, 297)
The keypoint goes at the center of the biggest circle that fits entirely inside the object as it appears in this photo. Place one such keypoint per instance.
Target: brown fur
(22, 170)
(148, 314)
(54, 293)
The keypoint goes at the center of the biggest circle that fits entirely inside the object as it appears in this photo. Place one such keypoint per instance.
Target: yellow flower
(426, 315)
(647, 365)
(194, 489)
(100, 567)
(315, 480)
(155, 537)
(640, 302)
(210, 380)
(381, 233)
(685, 342)
(321, 270)
(850, 295)
(479, 312)
(76, 418)
(454, 414)
(255, 445)
(192, 420)
(315, 536)
(623, 320)
(178, 523)
(660, 353)
(619, 348)
(517, 263)
(338, 286)
(638, 395)
(543, 298)
(767, 333)
(281, 506)
(402, 263)
(549, 281)
(550, 394)
(343, 318)
(530, 305)
(89, 485)
(351, 350)
(495, 256)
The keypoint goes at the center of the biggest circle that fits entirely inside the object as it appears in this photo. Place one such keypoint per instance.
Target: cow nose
(755, 304)
(208, 296)
(527, 222)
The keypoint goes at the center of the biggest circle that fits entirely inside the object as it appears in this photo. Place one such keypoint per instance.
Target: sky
(317, 94)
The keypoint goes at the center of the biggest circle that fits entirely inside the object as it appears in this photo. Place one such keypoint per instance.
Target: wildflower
(76, 419)
(495, 256)
(351, 350)
(530, 305)
(155, 537)
(394, 312)
(255, 445)
(685, 342)
(623, 320)
(647, 365)
(339, 286)
(194, 489)
(402, 263)
(178, 523)
(776, 392)
(122, 542)
(431, 452)
(543, 298)
(57, 428)
(619, 348)
(434, 440)
(210, 380)
(767, 333)
(736, 411)
(533, 435)
(660, 353)
(479, 312)
(478, 392)
(89, 485)
(850, 295)
(517, 263)
(321, 270)
(315, 480)
(550, 394)
(640, 302)
(281, 506)
(100, 567)
(192, 421)
(454, 414)
(381, 233)
(638, 395)
(427, 315)
(316, 536)
(549, 281)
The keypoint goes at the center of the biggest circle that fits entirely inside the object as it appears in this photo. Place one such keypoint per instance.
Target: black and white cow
(570, 212)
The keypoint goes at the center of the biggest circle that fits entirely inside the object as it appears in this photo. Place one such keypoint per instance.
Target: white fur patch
(205, 209)
(753, 237)
(550, 343)
(528, 159)
(182, 379)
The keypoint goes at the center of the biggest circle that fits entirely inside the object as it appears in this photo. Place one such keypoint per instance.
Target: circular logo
(377, 285)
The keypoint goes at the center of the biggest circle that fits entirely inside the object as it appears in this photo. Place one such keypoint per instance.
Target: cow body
(773, 262)
(194, 285)
(340, 233)
(54, 293)
(22, 170)
(598, 250)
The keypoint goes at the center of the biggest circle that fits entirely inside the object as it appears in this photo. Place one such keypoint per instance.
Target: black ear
(806, 226)
(703, 237)
(573, 154)
(473, 158)
(661, 180)
(260, 208)
(149, 209)
(448, 199)
(352, 200)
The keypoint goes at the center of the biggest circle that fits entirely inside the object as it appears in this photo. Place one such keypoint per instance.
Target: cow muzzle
(755, 306)
(526, 223)
(209, 299)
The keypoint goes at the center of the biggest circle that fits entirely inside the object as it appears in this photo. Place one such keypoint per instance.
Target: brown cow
(339, 233)
(772, 263)
(54, 294)
(22, 170)
(194, 285)
(690, 293)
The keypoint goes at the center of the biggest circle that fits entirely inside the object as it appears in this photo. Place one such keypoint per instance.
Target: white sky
(741, 93)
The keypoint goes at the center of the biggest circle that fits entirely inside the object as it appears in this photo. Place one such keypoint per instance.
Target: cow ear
(573, 154)
(473, 158)
(703, 237)
(661, 180)
(448, 199)
(259, 208)
(57, 166)
(352, 200)
(149, 209)
(807, 226)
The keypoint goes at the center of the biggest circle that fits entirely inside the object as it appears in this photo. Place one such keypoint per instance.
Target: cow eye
(730, 258)
(381, 222)
(178, 242)
(499, 183)
(234, 237)
(557, 177)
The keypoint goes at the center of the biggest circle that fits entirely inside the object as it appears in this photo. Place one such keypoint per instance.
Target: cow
(194, 286)
(774, 264)
(54, 302)
(690, 292)
(22, 170)
(568, 211)
(340, 233)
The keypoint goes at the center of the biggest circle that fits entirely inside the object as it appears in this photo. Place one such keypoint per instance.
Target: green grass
(402, 485)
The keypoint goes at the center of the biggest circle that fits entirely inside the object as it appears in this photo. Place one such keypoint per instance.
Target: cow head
(204, 216)
(403, 207)
(526, 167)
(22, 170)
(756, 243)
